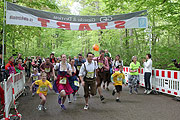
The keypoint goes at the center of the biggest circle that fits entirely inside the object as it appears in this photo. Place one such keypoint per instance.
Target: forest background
(163, 16)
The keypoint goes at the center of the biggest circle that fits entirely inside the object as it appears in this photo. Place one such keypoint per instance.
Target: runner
(117, 62)
(88, 78)
(34, 76)
(107, 78)
(73, 81)
(48, 68)
(62, 85)
(78, 63)
(133, 79)
(52, 59)
(118, 78)
(102, 67)
(42, 90)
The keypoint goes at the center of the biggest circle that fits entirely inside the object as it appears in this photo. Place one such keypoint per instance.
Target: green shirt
(17, 70)
(134, 66)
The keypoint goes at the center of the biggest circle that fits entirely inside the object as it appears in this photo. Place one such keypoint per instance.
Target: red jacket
(10, 66)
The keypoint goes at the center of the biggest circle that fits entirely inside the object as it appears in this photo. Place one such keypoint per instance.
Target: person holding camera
(147, 75)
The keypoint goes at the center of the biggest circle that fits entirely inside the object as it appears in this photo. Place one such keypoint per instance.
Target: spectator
(10, 65)
(147, 74)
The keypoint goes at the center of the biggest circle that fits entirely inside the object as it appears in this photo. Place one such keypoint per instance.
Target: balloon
(95, 47)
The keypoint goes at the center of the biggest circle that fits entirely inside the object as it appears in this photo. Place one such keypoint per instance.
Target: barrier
(19, 84)
(8, 94)
(14, 87)
(165, 81)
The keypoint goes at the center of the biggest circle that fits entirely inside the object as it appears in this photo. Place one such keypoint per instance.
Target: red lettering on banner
(169, 74)
(175, 75)
(102, 25)
(64, 25)
(175, 93)
(120, 24)
(163, 73)
(157, 72)
(124, 69)
(157, 88)
(43, 22)
(83, 27)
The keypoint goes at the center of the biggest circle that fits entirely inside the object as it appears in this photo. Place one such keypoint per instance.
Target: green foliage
(163, 15)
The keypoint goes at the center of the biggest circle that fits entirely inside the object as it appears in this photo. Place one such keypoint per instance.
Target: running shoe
(107, 89)
(118, 100)
(44, 108)
(103, 86)
(145, 91)
(63, 107)
(59, 99)
(136, 91)
(74, 97)
(33, 94)
(40, 107)
(148, 92)
(86, 107)
(113, 93)
(102, 98)
(130, 91)
(69, 101)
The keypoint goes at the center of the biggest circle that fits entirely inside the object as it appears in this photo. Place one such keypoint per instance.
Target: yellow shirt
(43, 86)
(118, 78)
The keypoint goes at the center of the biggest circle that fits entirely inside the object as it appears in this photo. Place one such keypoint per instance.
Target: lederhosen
(90, 82)
(100, 74)
(78, 66)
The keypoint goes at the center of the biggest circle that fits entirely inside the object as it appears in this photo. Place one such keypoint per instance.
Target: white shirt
(148, 66)
(90, 67)
(115, 64)
(68, 66)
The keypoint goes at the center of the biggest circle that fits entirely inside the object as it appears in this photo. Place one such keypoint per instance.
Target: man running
(78, 63)
(87, 76)
(48, 68)
(103, 66)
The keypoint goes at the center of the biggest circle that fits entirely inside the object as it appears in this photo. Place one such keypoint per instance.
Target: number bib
(43, 88)
(90, 75)
(78, 68)
(35, 78)
(76, 83)
(119, 78)
(62, 81)
(100, 65)
(47, 70)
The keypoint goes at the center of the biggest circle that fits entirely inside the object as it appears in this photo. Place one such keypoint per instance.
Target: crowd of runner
(65, 75)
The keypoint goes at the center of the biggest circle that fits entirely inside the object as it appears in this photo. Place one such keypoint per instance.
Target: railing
(14, 86)
(165, 81)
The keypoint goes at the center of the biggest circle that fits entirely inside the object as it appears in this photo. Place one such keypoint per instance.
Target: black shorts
(118, 88)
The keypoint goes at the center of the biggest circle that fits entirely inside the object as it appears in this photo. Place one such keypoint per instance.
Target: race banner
(19, 15)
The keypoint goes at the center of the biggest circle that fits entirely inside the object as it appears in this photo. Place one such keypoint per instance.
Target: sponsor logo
(106, 19)
(142, 22)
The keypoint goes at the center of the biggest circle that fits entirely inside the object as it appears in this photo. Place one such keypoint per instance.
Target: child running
(42, 90)
(34, 76)
(73, 81)
(118, 78)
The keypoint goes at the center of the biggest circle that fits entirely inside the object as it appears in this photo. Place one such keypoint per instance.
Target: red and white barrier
(165, 81)
(14, 87)
(8, 95)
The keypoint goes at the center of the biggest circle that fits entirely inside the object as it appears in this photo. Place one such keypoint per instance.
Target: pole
(4, 25)
(150, 38)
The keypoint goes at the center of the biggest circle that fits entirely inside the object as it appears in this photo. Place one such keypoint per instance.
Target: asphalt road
(131, 107)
